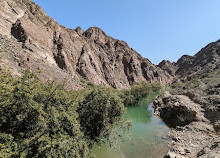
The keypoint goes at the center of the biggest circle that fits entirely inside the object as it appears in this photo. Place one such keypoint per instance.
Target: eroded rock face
(206, 60)
(91, 55)
(212, 150)
(193, 134)
(177, 110)
(189, 67)
(171, 68)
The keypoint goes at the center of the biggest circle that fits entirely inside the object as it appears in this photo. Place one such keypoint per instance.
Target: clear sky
(157, 29)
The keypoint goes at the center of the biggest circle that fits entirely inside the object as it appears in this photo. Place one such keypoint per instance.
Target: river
(148, 137)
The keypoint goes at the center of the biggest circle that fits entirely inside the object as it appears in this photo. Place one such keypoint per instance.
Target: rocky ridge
(189, 67)
(36, 41)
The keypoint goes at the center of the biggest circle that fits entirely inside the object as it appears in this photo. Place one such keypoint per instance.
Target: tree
(134, 95)
(99, 113)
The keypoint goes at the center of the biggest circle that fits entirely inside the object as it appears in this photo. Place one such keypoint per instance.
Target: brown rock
(91, 55)
(206, 60)
(171, 68)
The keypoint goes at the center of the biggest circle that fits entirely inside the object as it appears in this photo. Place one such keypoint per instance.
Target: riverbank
(192, 110)
(193, 135)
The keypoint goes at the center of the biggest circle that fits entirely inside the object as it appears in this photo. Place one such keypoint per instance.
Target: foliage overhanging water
(148, 136)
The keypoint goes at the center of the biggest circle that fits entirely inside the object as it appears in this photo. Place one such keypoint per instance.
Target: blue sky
(157, 29)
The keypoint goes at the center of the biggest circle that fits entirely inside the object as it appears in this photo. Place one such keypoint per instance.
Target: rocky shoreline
(193, 135)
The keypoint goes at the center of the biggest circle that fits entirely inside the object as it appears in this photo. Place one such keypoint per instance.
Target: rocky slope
(32, 39)
(189, 67)
(194, 132)
(206, 60)
(171, 68)
(192, 105)
(192, 109)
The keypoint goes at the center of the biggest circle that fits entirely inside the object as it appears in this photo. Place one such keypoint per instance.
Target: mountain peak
(79, 30)
(38, 42)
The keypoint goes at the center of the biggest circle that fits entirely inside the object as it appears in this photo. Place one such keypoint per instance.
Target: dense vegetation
(43, 120)
(104, 109)
(38, 120)
(134, 95)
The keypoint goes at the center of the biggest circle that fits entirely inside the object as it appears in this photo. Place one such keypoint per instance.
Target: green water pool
(148, 137)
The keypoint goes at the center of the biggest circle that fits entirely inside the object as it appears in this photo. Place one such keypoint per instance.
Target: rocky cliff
(29, 38)
(192, 108)
(171, 68)
(206, 60)
(189, 67)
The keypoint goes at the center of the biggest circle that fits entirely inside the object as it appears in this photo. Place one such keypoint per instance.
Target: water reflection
(143, 113)
(147, 134)
(139, 115)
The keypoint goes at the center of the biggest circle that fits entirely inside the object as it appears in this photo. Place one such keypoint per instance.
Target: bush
(89, 84)
(8, 147)
(99, 113)
(136, 93)
(43, 120)
(38, 120)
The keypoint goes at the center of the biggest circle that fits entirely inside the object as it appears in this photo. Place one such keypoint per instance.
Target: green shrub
(90, 84)
(82, 80)
(136, 93)
(38, 120)
(100, 112)
(204, 75)
(8, 147)
(43, 120)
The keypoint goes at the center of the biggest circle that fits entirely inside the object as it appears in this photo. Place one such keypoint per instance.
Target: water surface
(148, 135)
